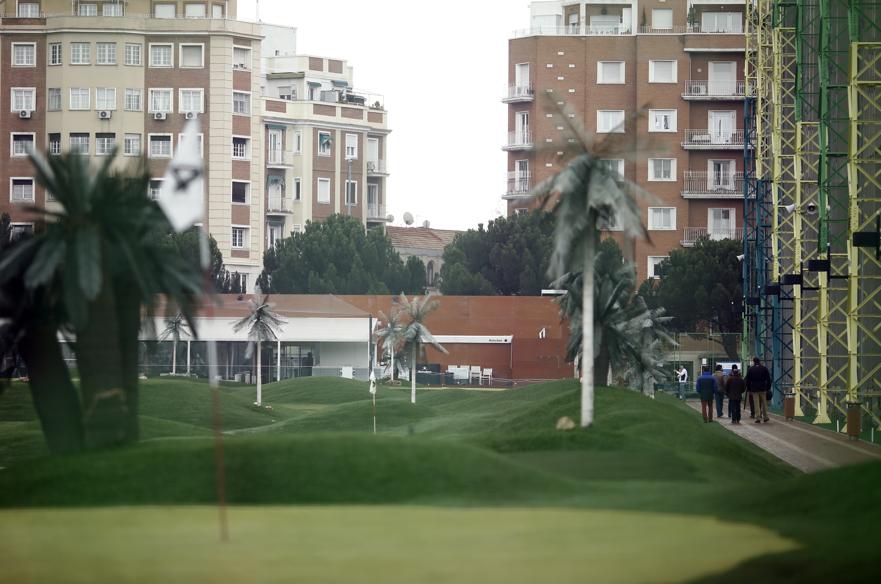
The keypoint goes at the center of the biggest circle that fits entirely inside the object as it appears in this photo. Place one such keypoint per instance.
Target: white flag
(182, 195)
(372, 382)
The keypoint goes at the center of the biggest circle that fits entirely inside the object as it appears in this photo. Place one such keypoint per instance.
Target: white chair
(475, 372)
(488, 375)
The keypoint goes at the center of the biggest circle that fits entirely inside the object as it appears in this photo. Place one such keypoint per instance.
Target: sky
(442, 68)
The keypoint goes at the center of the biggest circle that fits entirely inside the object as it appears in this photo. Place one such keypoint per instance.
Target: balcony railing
(712, 185)
(279, 158)
(519, 93)
(519, 140)
(703, 89)
(691, 234)
(713, 140)
(574, 30)
(377, 167)
(376, 211)
(278, 204)
(519, 184)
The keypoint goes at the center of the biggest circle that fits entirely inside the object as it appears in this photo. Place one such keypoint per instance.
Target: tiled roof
(420, 237)
(287, 305)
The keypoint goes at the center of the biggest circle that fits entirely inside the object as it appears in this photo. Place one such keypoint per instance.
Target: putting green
(370, 544)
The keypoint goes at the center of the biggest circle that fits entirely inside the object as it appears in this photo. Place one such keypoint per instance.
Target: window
(298, 193)
(79, 143)
(240, 148)
(88, 10)
(662, 120)
(17, 230)
(160, 145)
(662, 218)
(28, 10)
(191, 101)
(721, 174)
(79, 98)
(241, 58)
(298, 142)
(728, 22)
(105, 53)
(181, 138)
(22, 144)
(191, 56)
(351, 146)
(194, 10)
(351, 193)
(79, 53)
(217, 10)
(614, 166)
(239, 237)
(24, 98)
(105, 98)
(160, 56)
(662, 169)
(241, 103)
(161, 100)
(55, 144)
(662, 18)
(610, 71)
(132, 145)
(240, 192)
(662, 71)
(24, 55)
(324, 143)
(113, 9)
(653, 264)
(132, 99)
(610, 121)
(104, 144)
(721, 224)
(53, 99)
(155, 188)
(55, 52)
(324, 190)
(132, 54)
(164, 10)
(21, 190)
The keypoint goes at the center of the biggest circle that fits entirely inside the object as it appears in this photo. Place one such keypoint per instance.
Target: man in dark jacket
(706, 387)
(719, 374)
(734, 388)
(758, 382)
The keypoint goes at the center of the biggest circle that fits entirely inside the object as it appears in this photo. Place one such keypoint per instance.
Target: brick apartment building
(681, 61)
(91, 76)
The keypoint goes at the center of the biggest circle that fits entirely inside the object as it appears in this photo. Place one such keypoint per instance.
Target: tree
(390, 335)
(187, 245)
(174, 326)
(262, 323)
(509, 257)
(92, 269)
(337, 256)
(585, 194)
(700, 288)
(415, 333)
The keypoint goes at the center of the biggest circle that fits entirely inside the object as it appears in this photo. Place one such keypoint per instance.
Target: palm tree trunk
(174, 357)
(587, 380)
(259, 378)
(601, 366)
(128, 310)
(413, 376)
(55, 397)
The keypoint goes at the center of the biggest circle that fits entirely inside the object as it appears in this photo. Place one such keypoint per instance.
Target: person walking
(734, 388)
(706, 388)
(719, 374)
(758, 383)
(682, 376)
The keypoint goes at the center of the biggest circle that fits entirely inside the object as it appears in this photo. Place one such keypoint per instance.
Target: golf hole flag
(182, 196)
(372, 382)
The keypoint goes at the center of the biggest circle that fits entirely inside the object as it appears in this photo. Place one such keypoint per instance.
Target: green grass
(481, 454)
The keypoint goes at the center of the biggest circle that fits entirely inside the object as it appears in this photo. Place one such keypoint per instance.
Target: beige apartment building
(91, 76)
(680, 62)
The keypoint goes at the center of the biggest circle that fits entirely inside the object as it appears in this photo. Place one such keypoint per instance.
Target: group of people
(714, 387)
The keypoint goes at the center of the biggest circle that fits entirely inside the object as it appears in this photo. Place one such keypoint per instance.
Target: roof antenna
(258, 11)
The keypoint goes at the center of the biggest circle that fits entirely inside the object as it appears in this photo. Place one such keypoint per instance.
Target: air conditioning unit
(190, 115)
(159, 116)
(24, 114)
(104, 114)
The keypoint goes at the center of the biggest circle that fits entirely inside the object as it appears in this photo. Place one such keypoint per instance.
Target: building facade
(680, 63)
(93, 76)
(425, 243)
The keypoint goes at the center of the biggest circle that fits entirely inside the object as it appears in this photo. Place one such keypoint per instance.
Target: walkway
(806, 447)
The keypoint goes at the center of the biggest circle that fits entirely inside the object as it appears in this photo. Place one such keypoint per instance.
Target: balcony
(376, 212)
(519, 184)
(712, 185)
(691, 234)
(713, 140)
(377, 168)
(519, 140)
(278, 205)
(697, 90)
(574, 30)
(519, 94)
(279, 158)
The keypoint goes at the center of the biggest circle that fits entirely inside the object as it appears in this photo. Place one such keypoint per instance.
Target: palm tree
(415, 333)
(97, 265)
(174, 326)
(262, 323)
(390, 335)
(587, 193)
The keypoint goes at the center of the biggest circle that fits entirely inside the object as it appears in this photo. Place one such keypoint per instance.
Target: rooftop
(421, 237)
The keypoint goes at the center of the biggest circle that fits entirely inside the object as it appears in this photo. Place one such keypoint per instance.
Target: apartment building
(325, 140)
(678, 61)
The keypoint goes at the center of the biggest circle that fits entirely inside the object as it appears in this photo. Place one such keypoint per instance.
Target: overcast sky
(442, 70)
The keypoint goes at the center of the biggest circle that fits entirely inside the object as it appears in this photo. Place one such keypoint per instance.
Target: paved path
(804, 446)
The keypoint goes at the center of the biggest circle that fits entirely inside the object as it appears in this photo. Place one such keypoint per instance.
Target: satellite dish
(426, 224)
(408, 218)
(390, 218)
